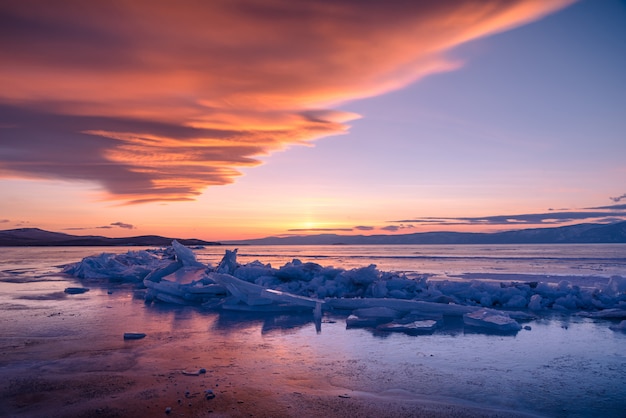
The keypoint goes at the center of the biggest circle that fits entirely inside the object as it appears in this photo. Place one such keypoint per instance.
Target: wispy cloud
(602, 214)
(4, 221)
(611, 207)
(618, 198)
(109, 226)
(155, 101)
(364, 228)
(394, 228)
(123, 225)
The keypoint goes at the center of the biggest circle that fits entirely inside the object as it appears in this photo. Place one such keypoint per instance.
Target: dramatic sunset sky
(232, 119)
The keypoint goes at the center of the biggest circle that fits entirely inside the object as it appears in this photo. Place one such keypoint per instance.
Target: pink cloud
(156, 100)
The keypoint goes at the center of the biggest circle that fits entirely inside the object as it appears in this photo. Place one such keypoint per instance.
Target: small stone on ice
(134, 335)
(527, 327)
(76, 290)
(194, 373)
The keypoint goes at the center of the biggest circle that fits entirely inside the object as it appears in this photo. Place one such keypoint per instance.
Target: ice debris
(492, 320)
(173, 275)
(185, 256)
(130, 267)
(612, 313)
(426, 326)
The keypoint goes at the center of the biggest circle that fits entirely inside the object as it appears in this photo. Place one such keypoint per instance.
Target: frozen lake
(564, 366)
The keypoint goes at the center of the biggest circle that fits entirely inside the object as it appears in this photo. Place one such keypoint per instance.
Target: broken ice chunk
(228, 265)
(616, 286)
(187, 275)
(132, 266)
(381, 312)
(535, 303)
(416, 327)
(206, 289)
(612, 313)
(185, 255)
(400, 305)
(491, 320)
(285, 297)
(371, 317)
(354, 321)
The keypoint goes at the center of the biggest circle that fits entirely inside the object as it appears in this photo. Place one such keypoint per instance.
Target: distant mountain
(38, 237)
(573, 234)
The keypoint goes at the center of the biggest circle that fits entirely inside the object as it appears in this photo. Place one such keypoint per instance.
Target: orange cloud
(156, 100)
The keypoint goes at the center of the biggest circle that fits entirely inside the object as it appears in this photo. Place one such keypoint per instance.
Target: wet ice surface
(565, 365)
(560, 368)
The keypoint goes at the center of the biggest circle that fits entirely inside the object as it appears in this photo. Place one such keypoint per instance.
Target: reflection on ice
(386, 300)
(232, 321)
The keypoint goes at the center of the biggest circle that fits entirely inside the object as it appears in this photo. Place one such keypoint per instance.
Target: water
(565, 366)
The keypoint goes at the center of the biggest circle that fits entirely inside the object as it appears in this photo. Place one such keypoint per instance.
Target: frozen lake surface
(564, 365)
(447, 261)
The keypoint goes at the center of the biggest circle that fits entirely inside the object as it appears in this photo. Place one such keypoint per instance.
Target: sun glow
(309, 225)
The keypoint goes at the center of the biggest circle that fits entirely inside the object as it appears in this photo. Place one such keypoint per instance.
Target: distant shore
(35, 237)
(614, 233)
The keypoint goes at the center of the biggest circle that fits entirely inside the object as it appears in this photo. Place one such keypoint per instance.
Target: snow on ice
(386, 300)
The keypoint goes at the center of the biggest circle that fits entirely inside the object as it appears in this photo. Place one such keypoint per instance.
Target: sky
(236, 119)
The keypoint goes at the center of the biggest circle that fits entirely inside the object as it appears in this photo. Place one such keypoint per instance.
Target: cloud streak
(602, 214)
(394, 228)
(109, 226)
(156, 101)
(123, 225)
(320, 230)
(618, 198)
